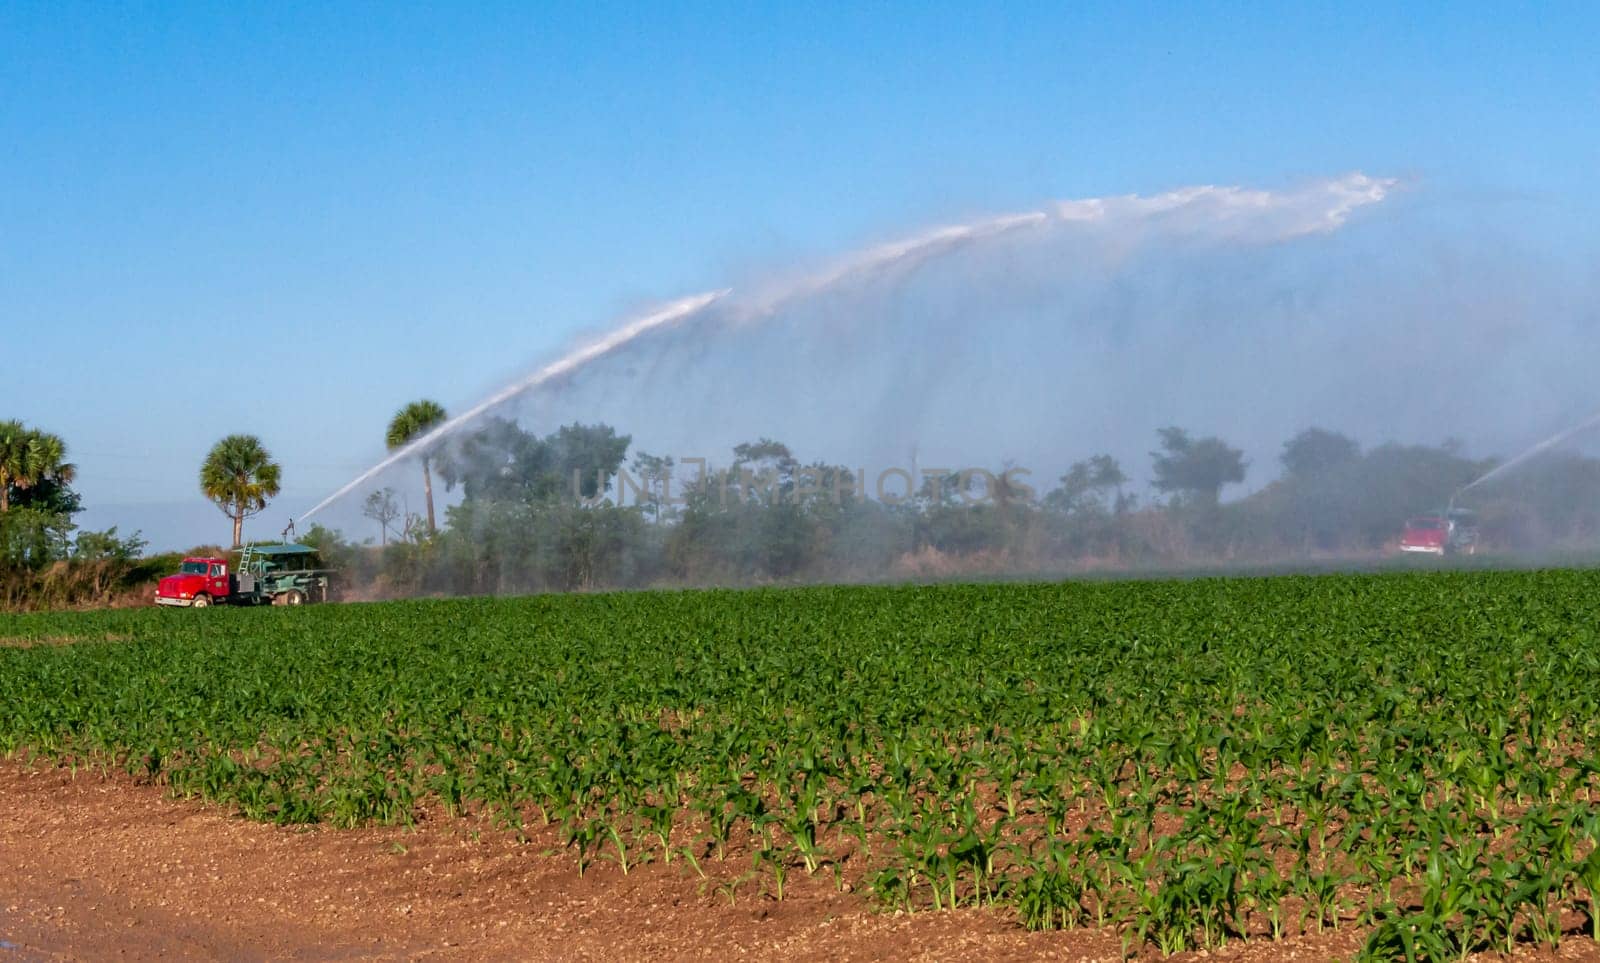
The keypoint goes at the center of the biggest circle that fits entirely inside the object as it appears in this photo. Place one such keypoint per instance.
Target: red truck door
(217, 578)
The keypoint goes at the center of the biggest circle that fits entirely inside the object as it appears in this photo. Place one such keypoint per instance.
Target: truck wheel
(202, 600)
(293, 597)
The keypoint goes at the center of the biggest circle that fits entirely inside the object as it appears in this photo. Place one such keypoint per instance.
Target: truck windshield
(192, 568)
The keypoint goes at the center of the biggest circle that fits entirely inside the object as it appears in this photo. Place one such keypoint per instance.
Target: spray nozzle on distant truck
(1456, 529)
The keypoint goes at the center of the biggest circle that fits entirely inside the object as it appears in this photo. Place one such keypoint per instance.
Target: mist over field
(1236, 375)
(1370, 306)
(1044, 353)
(1357, 304)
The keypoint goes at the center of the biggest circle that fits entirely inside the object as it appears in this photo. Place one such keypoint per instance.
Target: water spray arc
(1591, 422)
(671, 314)
(1229, 214)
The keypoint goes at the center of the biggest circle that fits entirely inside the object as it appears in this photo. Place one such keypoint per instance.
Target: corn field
(1190, 763)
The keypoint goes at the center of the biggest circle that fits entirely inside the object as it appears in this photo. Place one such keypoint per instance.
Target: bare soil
(97, 867)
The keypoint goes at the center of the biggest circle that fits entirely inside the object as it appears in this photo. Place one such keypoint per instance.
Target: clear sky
(289, 219)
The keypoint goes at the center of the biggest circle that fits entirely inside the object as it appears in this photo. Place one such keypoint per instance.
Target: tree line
(572, 510)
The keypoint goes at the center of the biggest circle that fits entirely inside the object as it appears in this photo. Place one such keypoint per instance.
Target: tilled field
(94, 869)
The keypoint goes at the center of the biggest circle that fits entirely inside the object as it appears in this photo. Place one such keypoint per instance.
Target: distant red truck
(1441, 533)
(275, 574)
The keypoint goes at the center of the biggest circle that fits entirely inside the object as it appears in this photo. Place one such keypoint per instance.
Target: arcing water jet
(1225, 214)
(1593, 421)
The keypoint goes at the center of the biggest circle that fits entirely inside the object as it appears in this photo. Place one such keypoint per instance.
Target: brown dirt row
(99, 868)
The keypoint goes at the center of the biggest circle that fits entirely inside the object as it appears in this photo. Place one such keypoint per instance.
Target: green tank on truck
(280, 574)
(290, 574)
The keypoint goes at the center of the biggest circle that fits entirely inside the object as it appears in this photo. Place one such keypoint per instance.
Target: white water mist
(1223, 215)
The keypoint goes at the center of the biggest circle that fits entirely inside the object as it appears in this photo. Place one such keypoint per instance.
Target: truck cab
(200, 581)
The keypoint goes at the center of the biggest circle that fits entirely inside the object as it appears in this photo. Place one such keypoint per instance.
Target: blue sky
(290, 219)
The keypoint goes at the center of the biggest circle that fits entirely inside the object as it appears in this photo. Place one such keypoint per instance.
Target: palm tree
(239, 475)
(46, 461)
(13, 459)
(30, 457)
(410, 423)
